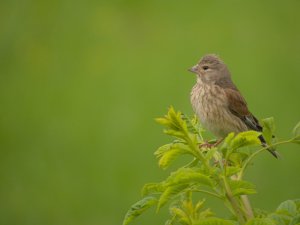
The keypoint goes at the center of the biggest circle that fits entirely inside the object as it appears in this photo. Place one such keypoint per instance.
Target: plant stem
(209, 192)
(233, 202)
(247, 206)
(241, 173)
(196, 149)
(192, 163)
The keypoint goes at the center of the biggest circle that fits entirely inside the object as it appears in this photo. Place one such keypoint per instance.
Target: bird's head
(210, 69)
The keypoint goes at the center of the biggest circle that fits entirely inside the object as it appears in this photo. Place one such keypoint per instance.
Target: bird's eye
(205, 67)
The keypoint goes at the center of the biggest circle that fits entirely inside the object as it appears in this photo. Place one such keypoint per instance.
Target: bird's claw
(206, 144)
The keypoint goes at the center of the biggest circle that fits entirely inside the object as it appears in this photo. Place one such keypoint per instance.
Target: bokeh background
(82, 81)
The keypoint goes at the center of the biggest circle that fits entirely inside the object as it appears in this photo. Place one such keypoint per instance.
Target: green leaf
(180, 180)
(171, 221)
(215, 221)
(138, 208)
(174, 122)
(170, 152)
(296, 130)
(205, 214)
(161, 150)
(260, 213)
(193, 125)
(152, 188)
(177, 121)
(288, 207)
(279, 219)
(246, 138)
(199, 210)
(296, 140)
(231, 170)
(295, 220)
(226, 144)
(240, 187)
(229, 138)
(163, 121)
(169, 157)
(181, 216)
(188, 176)
(261, 221)
(297, 202)
(212, 153)
(175, 133)
(268, 129)
(169, 193)
(237, 158)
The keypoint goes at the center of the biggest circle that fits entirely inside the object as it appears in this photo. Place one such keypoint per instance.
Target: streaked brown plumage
(218, 103)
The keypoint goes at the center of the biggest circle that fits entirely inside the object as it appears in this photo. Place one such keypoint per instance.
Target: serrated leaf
(180, 180)
(138, 208)
(192, 125)
(199, 205)
(279, 219)
(237, 158)
(173, 121)
(226, 144)
(162, 149)
(188, 176)
(169, 193)
(206, 213)
(268, 129)
(163, 121)
(168, 153)
(231, 170)
(215, 221)
(243, 191)
(175, 133)
(152, 188)
(170, 221)
(178, 212)
(295, 220)
(288, 207)
(244, 139)
(181, 216)
(240, 187)
(297, 202)
(260, 213)
(229, 138)
(169, 157)
(176, 119)
(211, 153)
(261, 221)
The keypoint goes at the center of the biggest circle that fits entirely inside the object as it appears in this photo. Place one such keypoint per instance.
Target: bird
(219, 104)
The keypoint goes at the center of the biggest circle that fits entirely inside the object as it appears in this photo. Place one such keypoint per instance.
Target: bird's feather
(211, 71)
(238, 107)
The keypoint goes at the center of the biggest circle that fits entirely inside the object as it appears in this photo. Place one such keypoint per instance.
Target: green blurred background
(82, 81)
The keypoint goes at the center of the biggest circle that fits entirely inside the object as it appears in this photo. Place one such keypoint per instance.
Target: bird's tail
(270, 149)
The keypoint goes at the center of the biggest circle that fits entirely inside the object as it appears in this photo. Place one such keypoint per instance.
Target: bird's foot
(206, 144)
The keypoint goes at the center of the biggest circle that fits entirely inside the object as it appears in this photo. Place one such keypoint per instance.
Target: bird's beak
(193, 69)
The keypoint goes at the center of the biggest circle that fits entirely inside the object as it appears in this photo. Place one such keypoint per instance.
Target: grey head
(211, 70)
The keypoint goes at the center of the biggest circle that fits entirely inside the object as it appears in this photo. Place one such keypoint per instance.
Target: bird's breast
(208, 101)
(211, 106)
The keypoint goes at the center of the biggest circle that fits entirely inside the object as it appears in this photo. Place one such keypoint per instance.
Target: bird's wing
(238, 107)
